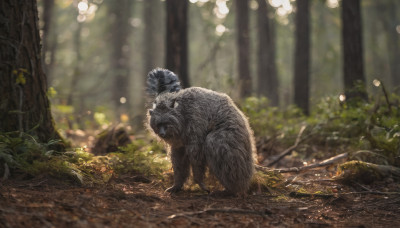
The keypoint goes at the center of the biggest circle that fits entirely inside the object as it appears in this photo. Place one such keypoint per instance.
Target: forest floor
(306, 199)
(134, 201)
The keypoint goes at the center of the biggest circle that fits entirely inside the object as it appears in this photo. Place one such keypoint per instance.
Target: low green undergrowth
(372, 126)
(24, 155)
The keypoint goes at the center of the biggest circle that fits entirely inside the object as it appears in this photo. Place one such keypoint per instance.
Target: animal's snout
(162, 133)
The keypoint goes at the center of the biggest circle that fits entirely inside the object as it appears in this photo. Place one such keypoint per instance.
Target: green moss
(265, 181)
(358, 171)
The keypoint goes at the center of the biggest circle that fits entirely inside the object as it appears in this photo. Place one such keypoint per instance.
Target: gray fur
(205, 129)
(161, 80)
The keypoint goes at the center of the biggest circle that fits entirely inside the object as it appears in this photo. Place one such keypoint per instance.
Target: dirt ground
(133, 201)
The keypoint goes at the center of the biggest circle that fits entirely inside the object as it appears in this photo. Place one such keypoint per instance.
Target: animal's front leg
(180, 164)
(198, 175)
(198, 163)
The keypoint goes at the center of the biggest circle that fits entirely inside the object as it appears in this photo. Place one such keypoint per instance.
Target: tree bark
(302, 56)
(177, 39)
(268, 83)
(120, 30)
(24, 106)
(243, 42)
(353, 66)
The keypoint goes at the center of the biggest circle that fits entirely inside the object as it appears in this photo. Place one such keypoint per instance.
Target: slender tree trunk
(302, 56)
(120, 30)
(71, 99)
(267, 78)
(177, 39)
(152, 19)
(243, 42)
(389, 21)
(24, 105)
(48, 39)
(77, 70)
(353, 66)
(153, 51)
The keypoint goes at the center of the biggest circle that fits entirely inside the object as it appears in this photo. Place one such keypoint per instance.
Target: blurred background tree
(302, 56)
(79, 43)
(119, 13)
(267, 82)
(177, 39)
(353, 62)
(243, 46)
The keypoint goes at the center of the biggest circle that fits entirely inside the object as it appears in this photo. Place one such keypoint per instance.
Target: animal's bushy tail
(162, 80)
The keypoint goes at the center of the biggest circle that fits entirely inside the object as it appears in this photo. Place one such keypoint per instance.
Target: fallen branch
(327, 162)
(314, 195)
(290, 149)
(322, 195)
(218, 210)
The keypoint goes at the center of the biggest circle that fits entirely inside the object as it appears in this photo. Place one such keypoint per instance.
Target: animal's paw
(173, 189)
(204, 188)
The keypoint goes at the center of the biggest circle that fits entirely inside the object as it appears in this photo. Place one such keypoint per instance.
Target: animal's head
(164, 117)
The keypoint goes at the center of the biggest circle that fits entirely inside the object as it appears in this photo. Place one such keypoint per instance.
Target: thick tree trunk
(120, 30)
(302, 56)
(243, 40)
(353, 66)
(267, 78)
(24, 105)
(177, 39)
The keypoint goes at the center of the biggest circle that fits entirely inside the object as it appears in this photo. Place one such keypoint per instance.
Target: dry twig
(290, 149)
(222, 210)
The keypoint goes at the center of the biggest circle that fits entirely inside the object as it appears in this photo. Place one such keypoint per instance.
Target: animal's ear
(174, 104)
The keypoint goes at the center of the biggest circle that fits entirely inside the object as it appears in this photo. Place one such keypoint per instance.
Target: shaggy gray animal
(203, 129)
